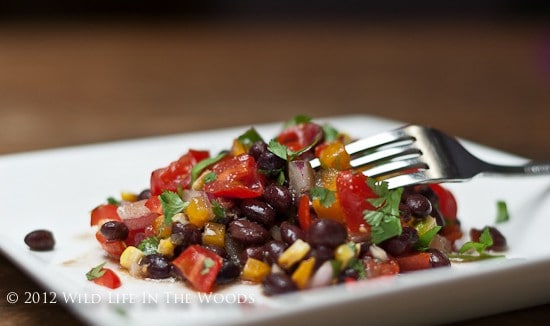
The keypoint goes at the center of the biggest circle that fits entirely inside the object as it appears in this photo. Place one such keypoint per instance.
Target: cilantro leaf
(113, 201)
(502, 212)
(217, 209)
(249, 137)
(485, 241)
(149, 245)
(325, 196)
(207, 263)
(425, 238)
(210, 177)
(330, 132)
(287, 154)
(384, 221)
(200, 166)
(96, 272)
(298, 119)
(172, 204)
(357, 265)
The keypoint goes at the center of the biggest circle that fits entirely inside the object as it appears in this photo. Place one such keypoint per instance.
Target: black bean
(420, 205)
(272, 250)
(258, 211)
(402, 243)
(217, 250)
(405, 212)
(145, 194)
(278, 283)
(256, 252)
(290, 232)
(257, 149)
(114, 230)
(349, 273)
(156, 266)
(321, 255)
(248, 232)
(185, 235)
(270, 163)
(438, 259)
(278, 197)
(40, 240)
(326, 232)
(228, 273)
(499, 241)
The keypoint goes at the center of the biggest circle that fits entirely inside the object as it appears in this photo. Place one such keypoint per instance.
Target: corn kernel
(166, 247)
(303, 273)
(214, 234)
(128, 196)
(344, 253)
(237, 148)
(130, 257)
(294, 253)
(255, 270)
(199, 211)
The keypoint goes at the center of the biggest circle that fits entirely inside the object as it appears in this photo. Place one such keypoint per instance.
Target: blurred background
(76, 72)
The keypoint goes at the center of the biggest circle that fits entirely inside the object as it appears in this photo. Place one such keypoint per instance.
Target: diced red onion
(136, 209)
(301, 176)
(323, 276)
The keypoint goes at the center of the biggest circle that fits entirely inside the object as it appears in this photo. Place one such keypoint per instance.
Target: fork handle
(532, 168)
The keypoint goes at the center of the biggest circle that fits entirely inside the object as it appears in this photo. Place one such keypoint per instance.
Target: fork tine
(403, 180)
(377, 141)
(371, 143)
(385, 154)
(395, 166)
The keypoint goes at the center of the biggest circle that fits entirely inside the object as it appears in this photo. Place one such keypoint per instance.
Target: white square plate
(56, 189)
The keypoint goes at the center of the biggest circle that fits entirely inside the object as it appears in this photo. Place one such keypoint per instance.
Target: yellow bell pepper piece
(130, 256)
(335, 156)
(303, 273)
(255, 270)
(214, 234)
(166, 247)
(199, 211)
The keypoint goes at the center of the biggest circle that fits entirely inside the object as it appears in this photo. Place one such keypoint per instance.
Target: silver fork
(416, 154)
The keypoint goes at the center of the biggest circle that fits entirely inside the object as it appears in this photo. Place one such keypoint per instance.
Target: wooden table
(70, 83)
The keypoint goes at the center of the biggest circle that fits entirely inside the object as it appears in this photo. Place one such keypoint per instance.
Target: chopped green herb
(357, 265)
(296, 120)
(473, 251)
(217, 209)
(281, 178)
(149, 245)
(210, 177)
(249, 137)
(172, 204)
(207, 263)
(384, 221)
(502, 212)
(330, 132)
(96, 272)
(113, 201)
(325, 196)
(199, 167)
(285, 153)
(427, 237)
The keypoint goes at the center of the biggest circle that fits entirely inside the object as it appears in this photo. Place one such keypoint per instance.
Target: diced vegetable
(255, 270)
(293, 254)
(199, 266)
(302, 274)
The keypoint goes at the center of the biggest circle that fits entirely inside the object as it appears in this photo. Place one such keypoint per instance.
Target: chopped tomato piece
(376, 268)
(176, 174)
(199, 266)
(353, 192)
(414, 262)
(447, 201)
(104, 213)
(113, 248)
(109, 279)
(297, 137)
(236, 177)
(154, 205)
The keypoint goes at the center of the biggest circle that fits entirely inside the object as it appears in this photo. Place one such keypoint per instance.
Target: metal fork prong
(385, 154)
(377, 141)
(371, 143)
(402, 180)
(395, 166)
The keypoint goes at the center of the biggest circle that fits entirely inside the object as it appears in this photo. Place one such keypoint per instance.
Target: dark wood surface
(71, 83)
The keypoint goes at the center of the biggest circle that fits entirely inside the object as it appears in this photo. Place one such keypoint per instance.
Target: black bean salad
(257, 212)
